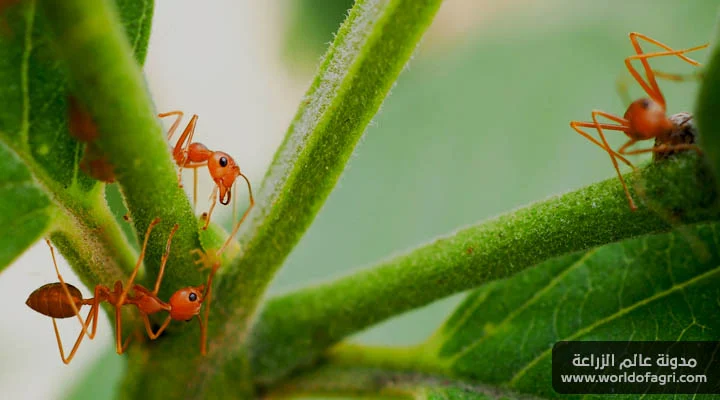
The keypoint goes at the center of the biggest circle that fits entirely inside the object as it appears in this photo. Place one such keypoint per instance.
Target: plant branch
(308, 321)
(363, 381)
(114, 91)
(369, 52)
(417, 358)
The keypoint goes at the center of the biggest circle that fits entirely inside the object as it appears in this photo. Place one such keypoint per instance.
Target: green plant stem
(107, 79)
(84, 230)
(418, 358)
(369, 52)
(362, 381)
(94, 245)
(708, 106)
(309, 320)
(114, 91)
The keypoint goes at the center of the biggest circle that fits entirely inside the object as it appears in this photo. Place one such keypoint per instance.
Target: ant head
(186, 303)
(647, 119)
(224, 171)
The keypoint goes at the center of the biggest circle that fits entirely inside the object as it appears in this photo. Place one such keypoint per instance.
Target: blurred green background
(477, 125)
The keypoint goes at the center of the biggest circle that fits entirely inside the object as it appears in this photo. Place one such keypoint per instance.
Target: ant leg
(164, 260)
(120, 346)
(175, 124)
(207, 296)
(595, 114)
(678, 77)
(634, 36)
(623, 148)
(651, 87)
(203, 334)
(148, 326)
(126, 343)
(118, 330)
(664, 148)
(123, 295)
(195, 181)
(613, 155)
(91, 317)
(237, 225)
(180, 151)
(234, 206)
(212, 207)
(70, 356)
(195, 166)
(100, 295)
(65, 289)
(577, 124)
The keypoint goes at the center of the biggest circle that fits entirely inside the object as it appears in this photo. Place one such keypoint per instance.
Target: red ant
(222, 168)
(62, 300)
(645, 118)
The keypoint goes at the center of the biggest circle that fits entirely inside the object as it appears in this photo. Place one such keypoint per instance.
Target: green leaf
(707, 108)
(309, 320)
(39, 157)
(25, 210)
(650, 288)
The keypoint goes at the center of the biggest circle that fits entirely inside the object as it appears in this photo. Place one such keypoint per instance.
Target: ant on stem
(645, 118)
(222, 168)
(62, 300)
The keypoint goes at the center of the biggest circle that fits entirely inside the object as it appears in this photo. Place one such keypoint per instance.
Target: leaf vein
(526, 304)
(140, 22)
(24, 76)
(614, 316)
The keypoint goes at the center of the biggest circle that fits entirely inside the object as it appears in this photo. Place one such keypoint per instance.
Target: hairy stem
(114, 91)
(363, 381)
(310, 320)
(369, 52)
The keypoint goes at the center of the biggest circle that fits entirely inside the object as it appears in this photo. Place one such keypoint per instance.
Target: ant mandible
(645, 118)
(62, 300)
(222, 168)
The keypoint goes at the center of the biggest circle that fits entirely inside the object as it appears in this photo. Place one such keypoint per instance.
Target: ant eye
(192, 297)
(223, 162)
(645, 103)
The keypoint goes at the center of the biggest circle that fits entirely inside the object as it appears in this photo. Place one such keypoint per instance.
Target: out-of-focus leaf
(708, 105)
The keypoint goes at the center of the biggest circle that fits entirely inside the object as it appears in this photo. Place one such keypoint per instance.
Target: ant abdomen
(52, 301)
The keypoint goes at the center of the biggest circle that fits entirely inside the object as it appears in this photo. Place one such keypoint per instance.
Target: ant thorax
(647, 120)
